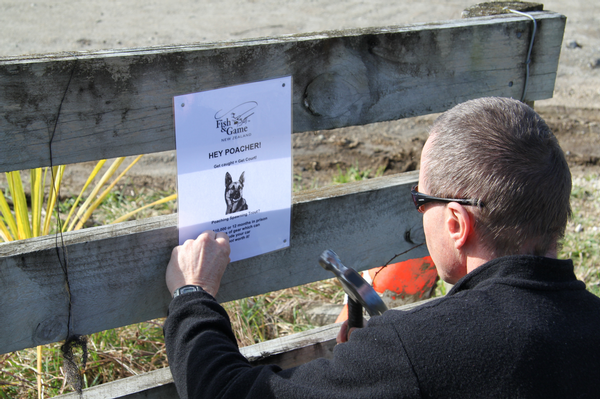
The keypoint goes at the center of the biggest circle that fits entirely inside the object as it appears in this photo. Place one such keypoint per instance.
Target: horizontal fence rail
(117, 273)
(119, 103)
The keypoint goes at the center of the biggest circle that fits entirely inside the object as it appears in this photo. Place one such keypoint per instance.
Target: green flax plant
(21, 220)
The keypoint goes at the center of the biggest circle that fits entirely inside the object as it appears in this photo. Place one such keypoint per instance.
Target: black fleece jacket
(516, 327)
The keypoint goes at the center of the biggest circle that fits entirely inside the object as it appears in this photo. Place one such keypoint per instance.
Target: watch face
(185, 289)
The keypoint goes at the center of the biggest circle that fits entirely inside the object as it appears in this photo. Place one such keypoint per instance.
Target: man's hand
(344, 334)
(199, 262)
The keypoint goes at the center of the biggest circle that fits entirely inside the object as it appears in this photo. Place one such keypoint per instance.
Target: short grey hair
(501, 151)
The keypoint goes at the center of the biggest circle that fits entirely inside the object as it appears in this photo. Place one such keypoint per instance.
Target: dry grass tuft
(279, 313)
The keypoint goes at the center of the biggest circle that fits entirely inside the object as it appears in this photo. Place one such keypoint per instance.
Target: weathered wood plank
(286, 352)
(157, 384)
(118, 103)
(116, 273)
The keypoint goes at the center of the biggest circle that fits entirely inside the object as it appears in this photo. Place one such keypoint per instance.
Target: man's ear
(459, 223)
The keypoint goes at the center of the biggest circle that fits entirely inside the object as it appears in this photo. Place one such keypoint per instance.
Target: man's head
(501, 152)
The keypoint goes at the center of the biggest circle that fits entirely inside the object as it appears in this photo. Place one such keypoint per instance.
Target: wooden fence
(115, 103)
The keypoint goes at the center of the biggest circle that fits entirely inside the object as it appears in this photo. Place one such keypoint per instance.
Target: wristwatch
(186, 289)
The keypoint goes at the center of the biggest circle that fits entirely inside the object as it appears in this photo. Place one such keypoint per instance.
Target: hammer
(360, 293)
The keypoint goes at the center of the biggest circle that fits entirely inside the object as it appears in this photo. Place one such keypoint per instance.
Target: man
(494, 192)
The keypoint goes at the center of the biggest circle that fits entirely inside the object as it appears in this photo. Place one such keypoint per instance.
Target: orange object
(343, 316)
(401, 283)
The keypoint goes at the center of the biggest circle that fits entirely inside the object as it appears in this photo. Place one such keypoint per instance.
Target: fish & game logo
(235, 122)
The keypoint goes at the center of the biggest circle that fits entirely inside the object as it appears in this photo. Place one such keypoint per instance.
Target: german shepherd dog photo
(234, 197)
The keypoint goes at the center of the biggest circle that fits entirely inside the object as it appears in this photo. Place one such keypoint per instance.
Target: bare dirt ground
(44, 26)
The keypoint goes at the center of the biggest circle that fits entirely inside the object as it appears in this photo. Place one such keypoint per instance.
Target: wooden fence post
(501, 7)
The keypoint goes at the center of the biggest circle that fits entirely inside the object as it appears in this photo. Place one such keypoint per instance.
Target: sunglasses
(421, 199)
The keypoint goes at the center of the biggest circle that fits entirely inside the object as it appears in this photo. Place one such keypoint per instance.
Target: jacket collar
(527, 271)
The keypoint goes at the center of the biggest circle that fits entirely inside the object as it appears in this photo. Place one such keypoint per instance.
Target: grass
(128, 199)
(113, 354)
(298, 185)
(582, 238)
(139, 348)
(279, 313)
(353, 173)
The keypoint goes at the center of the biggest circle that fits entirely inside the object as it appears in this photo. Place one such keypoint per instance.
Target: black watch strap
(186, 289)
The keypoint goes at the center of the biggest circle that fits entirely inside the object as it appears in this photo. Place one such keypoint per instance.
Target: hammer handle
(355, 314)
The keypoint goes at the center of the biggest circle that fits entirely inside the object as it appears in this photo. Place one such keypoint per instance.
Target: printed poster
(234, 165)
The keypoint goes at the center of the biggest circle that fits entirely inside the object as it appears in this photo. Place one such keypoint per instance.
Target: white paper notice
(234, 165)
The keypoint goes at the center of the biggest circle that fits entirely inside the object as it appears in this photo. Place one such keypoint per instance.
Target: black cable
(74, 377)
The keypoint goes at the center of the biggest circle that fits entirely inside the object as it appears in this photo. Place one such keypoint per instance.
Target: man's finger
(222, 236)
(208, 233)
(343, 333)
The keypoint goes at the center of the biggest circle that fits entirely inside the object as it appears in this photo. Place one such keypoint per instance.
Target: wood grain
(119, 103)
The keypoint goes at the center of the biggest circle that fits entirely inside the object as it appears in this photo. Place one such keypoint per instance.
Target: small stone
(573, 44)
(579, 228)
(84, 42)
(353, 144)
(595, 64)
(343, 142)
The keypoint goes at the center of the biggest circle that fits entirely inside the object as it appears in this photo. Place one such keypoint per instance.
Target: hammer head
(355, 286)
